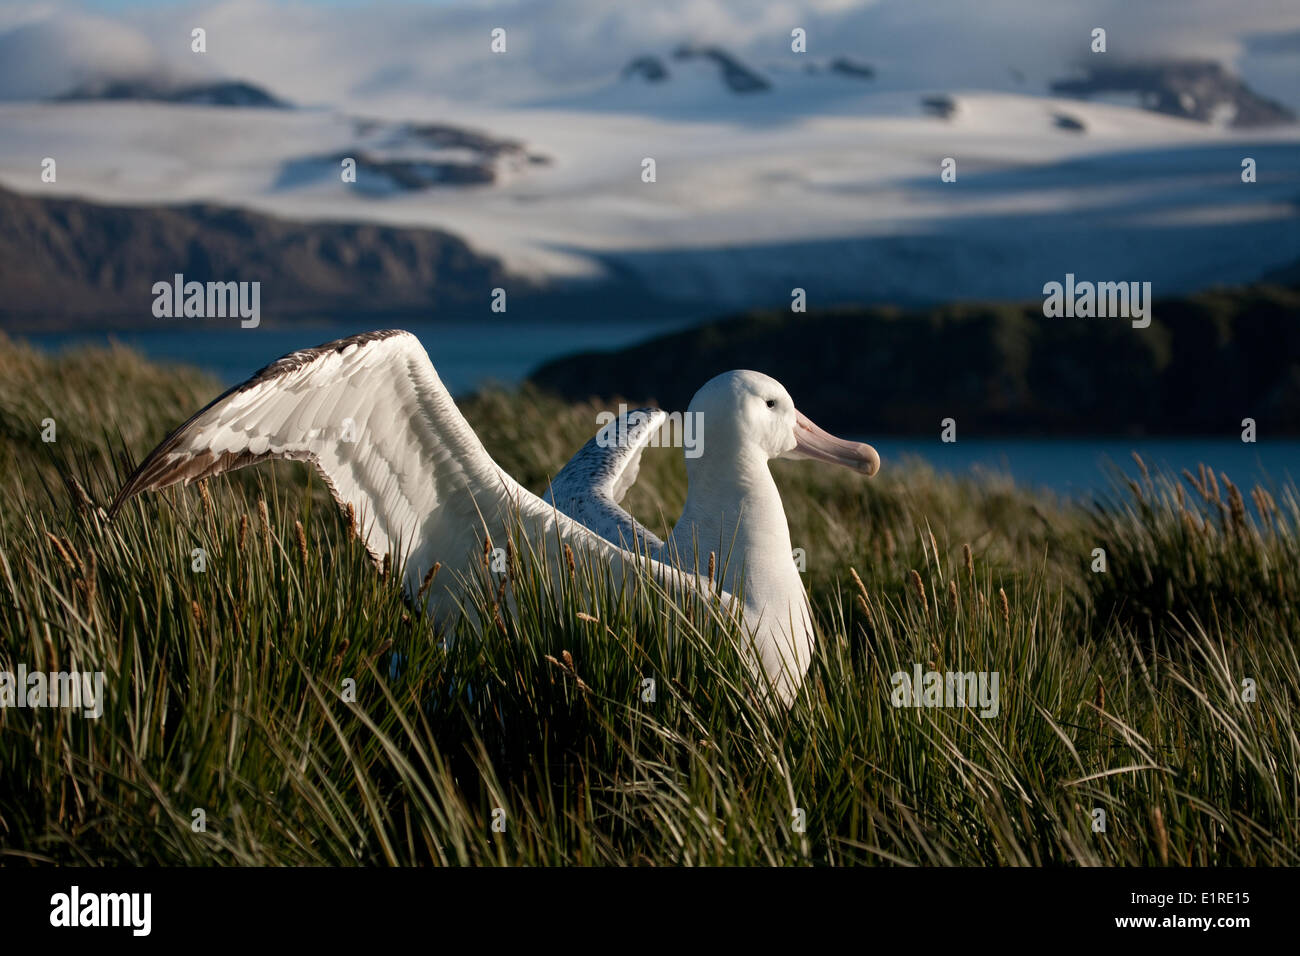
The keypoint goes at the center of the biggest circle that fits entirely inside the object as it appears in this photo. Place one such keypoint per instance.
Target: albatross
(370, 413)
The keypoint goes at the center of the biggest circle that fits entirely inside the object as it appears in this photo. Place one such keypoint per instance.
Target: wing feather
(591, 486)
(370, 413)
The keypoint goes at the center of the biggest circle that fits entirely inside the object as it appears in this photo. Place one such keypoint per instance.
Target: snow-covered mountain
(215, 93)
(1195, 90)
(771, 169)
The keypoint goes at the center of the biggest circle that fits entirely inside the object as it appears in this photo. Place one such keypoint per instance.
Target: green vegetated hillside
(1205, 363)
(1162, 691)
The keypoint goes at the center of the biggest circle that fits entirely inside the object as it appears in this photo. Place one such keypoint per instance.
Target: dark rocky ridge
(219, 93)
(380, 175)
(649, 68)
(1187, 89)
(1066, 121)
(440, 136)
(738, 77)
(941, 105)
(392, 157)
(848, 67)
(69, 262)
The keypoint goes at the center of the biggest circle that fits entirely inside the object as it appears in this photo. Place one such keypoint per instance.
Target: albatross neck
(733, 508)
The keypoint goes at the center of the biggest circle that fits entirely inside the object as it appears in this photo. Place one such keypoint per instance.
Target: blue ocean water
(1082, 467)
(469, 354)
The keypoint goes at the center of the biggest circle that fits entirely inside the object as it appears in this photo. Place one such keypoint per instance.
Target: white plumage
(371, 414)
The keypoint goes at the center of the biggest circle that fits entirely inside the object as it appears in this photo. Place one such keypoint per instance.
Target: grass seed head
(1212, 484)
(918, 586)
(1236, 508)
(205, 497)
(301, 535)
(863, 603)
(428, 579)
(60, 550)
(1162, 835)
(1142, 465)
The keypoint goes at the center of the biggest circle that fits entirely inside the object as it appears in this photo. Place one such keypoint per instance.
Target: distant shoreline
(1206, 364)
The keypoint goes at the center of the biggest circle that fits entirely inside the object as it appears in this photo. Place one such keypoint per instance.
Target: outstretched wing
(372, 415)
(359, 409)
(590, 487)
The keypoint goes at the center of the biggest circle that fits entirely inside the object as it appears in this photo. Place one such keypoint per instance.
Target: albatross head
(752, 413)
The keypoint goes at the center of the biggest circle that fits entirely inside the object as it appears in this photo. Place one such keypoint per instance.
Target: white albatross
(733, 515)
(371, 414)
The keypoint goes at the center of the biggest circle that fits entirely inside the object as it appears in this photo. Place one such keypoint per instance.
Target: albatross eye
(771, 403)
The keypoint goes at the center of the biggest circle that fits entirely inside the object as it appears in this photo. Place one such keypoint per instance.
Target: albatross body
(733, 507)
(372, 415)
(734, 522)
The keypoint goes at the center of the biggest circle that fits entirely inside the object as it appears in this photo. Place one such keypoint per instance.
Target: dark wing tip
(155, 473)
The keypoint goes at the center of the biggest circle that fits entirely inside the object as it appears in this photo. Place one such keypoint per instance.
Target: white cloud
(362, 53)
(50, 55)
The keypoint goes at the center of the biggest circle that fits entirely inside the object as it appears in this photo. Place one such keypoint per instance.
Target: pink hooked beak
(812, 442)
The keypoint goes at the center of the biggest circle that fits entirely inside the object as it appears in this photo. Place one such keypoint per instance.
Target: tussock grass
(1119, 691)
